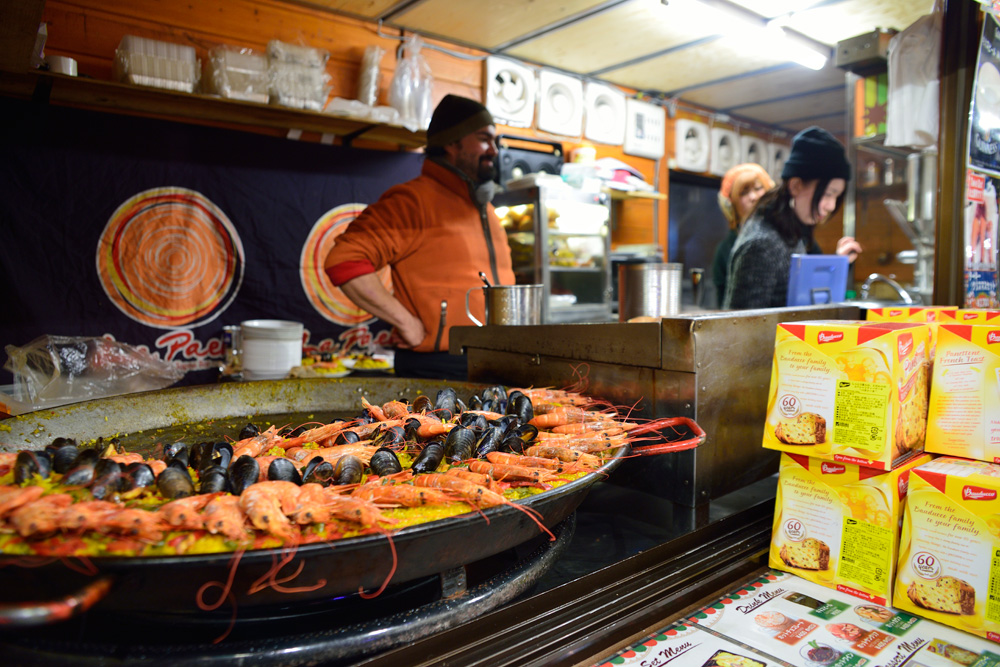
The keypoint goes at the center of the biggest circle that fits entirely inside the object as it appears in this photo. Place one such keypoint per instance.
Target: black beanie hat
(454, 118)
(816, 154)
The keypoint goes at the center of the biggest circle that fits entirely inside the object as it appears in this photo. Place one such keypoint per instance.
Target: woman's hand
(849, 247)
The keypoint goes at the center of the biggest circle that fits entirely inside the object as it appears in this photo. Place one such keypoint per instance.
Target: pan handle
(24, 614)
(697, 438)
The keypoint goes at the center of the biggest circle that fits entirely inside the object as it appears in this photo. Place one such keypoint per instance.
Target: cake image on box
(964, 410)
(850, 391)
(808, 428)
(945, 594)
(949, 549)
(836, 524)
(809, 554)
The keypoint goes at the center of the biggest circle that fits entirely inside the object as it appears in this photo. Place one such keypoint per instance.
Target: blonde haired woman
(741, 188)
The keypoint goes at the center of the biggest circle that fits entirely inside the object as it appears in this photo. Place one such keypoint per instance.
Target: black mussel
(422, 403)
(110, 447)
(283, 470)
(489, 441)
(446, 403)
(58, 443)
(521, 408)
(429, 458)
(385, 462)
(107, 479)
(475, 402)
(489, 405)
(473, 421)
(393, 437)
(460, 444)
(290, 431)
(175, 482)
(29, 463)
(222, 454)
(507, 423)
(64, 456)
(348, 470)
(512, 443)
(244, 472)
(177, 451)
(495, 393)
(410, 429)
(81, 472)
(364, 418)
(213, 479)
(346, 438)
(460, 405)
(317, 471)
(137, 476)
(249, 431)
(200, 455)
(526, 432)
(514, 393)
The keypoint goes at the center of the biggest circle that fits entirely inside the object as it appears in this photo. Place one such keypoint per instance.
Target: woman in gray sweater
(813, 182)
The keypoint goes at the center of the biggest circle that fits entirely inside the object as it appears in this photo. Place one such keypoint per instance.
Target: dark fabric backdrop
(64, 172)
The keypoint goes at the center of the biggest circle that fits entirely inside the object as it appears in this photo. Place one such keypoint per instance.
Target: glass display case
(559, 238)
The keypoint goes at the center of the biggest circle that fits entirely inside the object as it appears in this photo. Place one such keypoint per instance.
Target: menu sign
(781, 619)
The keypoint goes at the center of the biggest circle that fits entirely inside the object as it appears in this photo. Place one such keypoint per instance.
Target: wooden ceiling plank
(487, 23)
(582, 46)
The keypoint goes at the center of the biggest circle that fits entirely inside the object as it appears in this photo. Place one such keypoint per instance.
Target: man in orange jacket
(436, 233)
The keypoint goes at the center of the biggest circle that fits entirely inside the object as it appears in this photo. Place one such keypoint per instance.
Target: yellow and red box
(949, 550)
(847, 513)
(849, 391)
(964, 411)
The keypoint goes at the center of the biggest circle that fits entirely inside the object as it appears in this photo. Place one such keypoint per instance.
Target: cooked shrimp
(41, 516)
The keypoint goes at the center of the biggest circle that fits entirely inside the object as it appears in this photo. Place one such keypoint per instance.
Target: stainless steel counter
(713, 367)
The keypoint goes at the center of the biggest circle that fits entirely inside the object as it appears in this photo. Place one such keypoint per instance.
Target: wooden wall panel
(91, 31)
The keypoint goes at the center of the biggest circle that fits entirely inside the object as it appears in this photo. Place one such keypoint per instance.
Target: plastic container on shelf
(141, 61)
(298, 77)
(270, 348)
(237, 73)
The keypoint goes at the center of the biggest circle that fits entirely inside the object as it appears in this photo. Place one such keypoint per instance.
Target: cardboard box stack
(854, 392)
(837, 524)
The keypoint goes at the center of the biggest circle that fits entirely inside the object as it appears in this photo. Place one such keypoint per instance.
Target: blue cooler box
(817, 279)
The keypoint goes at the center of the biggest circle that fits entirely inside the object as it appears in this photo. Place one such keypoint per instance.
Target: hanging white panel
(645, 129)
(778, 153)
(560, 104)
(754, 149)
(605, 119)
(510, 91)
(725, 151)
(691, 145)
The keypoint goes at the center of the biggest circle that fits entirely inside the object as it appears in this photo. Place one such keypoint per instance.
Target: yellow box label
(863, 554)
(860, 413)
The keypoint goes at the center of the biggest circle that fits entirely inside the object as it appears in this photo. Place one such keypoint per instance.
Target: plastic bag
(53, 370)
(370, 76)
(411, 87)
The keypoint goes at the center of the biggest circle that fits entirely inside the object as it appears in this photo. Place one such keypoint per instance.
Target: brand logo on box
(832, 468)
(969, 316)
(978, 493)
(993, 337)
(903, 484)
(830, 336)
(904, 345)
(895, 313)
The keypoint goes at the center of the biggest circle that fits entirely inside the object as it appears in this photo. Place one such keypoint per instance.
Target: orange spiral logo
(169, 258)
(328, 300)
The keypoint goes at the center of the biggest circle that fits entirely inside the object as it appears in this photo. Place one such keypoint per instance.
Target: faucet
(879, 278)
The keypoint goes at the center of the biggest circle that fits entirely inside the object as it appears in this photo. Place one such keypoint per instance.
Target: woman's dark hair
(775, 205)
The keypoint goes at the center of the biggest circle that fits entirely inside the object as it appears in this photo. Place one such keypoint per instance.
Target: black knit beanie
(816, 154)
(454, 118)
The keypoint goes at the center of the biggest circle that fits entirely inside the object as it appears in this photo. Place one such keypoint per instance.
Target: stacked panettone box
(859, 409)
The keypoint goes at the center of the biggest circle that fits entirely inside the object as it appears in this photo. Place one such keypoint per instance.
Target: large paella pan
(301, 571)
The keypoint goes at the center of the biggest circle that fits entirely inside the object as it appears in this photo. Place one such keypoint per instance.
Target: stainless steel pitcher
(510, 304)
(649, 289)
